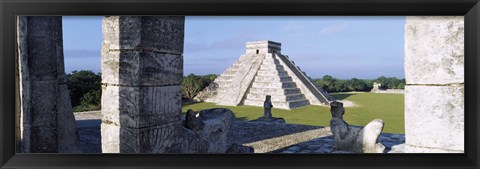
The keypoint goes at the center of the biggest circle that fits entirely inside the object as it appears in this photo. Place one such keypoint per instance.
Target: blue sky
(344, 47)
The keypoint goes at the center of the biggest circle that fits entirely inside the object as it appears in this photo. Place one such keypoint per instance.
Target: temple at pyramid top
(263, 47)
(262, 71)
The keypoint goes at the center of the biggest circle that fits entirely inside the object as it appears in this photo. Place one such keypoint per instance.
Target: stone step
(298, 103)
(229, 72)
(274, 84)
(273, 79)
(279, 105)
(271, 67)
(272, 73)
(271, 61)
(222, 90)
(222, 80)
(225, 78)
(270, 58)
(275, 91)
(276, 98)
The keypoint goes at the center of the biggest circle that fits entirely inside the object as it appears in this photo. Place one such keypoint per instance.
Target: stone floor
(264, 137)
(326, 145)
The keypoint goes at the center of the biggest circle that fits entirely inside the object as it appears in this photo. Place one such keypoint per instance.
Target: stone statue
(353, 138)
(336, 109)
(267, 107)
(267, 112)
(206, 131)
(193, 121)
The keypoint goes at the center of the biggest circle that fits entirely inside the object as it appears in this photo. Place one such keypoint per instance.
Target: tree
(210, 77)
(82, 82)
(191, 85)
(356, 85)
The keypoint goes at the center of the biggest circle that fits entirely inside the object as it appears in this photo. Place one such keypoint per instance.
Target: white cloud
(334, 28)
(293, 26)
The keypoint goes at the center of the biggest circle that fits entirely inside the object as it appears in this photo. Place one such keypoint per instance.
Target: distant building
(377, 88)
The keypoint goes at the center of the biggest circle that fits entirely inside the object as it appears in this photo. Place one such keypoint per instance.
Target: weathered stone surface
(400, 148)
(139, 107)
(352, 138)
(239, 149)
(241, 81)
(193, 143)
(314, 94)
(67, 131)
(281, 141)
(110, 137)
(209, 92)
(434, 117)
(207, 131)
(336, 109)
(136, 68)
(417, 149)
(40, 65)
(218, 123)
(43, 105)
(263, 47)
(43, 138)
(434, 49)
(44, 26)
(193, 121)
(267, 106)
(47, 123)
(162, 138)
(142, 69)
(357, 139)
(150, 33)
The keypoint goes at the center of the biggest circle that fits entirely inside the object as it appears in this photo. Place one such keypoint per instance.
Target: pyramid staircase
(264, 71)
(272, 79)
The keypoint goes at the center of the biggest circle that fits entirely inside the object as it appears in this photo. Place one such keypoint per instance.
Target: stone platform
(264, 137)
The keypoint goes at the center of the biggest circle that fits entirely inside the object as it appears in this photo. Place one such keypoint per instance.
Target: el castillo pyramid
(262, 71)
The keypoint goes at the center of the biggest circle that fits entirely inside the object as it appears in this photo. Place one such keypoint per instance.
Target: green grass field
(389, 107)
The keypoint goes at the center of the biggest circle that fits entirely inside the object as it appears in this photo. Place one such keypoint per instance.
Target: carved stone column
(142, 71)
(46, 119)
(434, 94)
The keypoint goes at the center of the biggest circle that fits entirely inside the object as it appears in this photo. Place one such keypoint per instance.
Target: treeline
(85, 90)
(193, 84)
(332, 84)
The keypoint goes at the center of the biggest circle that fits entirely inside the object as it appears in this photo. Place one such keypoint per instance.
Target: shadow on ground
(89, 135)
(341, 96)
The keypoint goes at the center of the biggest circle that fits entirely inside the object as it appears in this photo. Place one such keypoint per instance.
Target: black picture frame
(10, 8)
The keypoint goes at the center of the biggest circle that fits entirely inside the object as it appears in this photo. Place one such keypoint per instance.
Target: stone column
(434, 94)
(142, 71)
(46, 118)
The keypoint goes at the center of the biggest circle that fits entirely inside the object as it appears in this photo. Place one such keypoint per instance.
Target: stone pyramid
(262, 71)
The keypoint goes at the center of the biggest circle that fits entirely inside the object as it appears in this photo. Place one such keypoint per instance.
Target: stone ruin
(267, 114)
(353, 138)
(262, 71)
(206, 132)
(142, 71)
(142, 66)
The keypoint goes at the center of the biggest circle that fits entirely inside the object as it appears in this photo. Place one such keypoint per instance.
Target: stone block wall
(434, 93)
